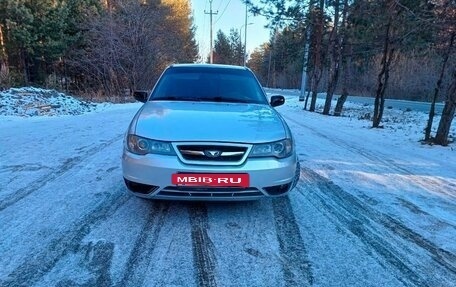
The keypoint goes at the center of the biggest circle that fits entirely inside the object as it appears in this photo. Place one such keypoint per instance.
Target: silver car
(208, 132)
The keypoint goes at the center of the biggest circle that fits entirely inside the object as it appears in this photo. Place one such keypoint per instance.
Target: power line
(220, 5)
(226, 6)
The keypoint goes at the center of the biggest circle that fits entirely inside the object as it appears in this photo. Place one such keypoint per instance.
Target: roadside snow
(31, 102)
(400, 124)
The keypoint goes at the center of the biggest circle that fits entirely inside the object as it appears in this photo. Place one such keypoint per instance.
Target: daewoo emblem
(212, 153)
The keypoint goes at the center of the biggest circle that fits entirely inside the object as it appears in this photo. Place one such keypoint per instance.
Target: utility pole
(211, 13)
(240, 43)
(245, 36)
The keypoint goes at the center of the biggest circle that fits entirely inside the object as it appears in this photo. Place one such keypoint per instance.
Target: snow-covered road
(372, 208)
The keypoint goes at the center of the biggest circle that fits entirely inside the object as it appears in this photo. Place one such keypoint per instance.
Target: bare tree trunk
(438, 86)
(341, 100)
(345, 62)
(25, 67)
(4, 66)
(313, 99)
(383, 76)
(3, 53)
(334, 52)
(317, 47)
(441, 138)
(307, 100)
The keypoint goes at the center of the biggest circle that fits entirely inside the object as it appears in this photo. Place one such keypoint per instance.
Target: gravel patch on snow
(31, 102)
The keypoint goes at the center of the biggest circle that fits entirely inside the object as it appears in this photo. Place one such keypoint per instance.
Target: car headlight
(142, 146)
(279, 149)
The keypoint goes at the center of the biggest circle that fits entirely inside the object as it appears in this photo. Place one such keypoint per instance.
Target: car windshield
(209, 85)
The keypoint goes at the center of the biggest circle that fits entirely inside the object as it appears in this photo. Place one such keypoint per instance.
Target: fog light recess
(278, 189)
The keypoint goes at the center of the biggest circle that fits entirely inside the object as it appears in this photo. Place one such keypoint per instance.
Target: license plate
(211, 179)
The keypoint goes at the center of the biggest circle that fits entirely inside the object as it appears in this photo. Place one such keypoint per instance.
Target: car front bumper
(149, 176)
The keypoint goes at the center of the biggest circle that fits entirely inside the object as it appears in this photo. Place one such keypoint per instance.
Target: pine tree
(223, 54)
(237, 48)
(179, 21)
(17, 22)
(259, 62)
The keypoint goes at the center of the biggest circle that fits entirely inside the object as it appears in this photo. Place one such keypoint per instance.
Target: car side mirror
(277, 100)
(141, 96)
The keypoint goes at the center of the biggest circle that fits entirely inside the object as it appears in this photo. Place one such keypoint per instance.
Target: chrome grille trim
(201, 153)
(196, 153)
(191, 152)
(232, 153)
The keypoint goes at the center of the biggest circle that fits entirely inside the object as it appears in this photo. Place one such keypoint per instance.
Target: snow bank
(30, 102)
(402, 123)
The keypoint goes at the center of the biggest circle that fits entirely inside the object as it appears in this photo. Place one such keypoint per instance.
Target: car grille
(214, 153)
(214, 192)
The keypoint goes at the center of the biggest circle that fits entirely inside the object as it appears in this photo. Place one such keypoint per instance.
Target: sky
(231, 14)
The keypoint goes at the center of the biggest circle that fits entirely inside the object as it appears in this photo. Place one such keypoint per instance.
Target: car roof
(207, 66)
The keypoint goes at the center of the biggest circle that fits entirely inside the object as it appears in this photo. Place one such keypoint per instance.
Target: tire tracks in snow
(366, 223)
(35, 267)
(297, 269)
(55, 173)
(202, 246)
(141, 255)
(442, 186)
(98, 257)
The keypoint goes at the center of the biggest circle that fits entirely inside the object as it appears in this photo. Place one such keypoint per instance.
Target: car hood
(206, 121)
